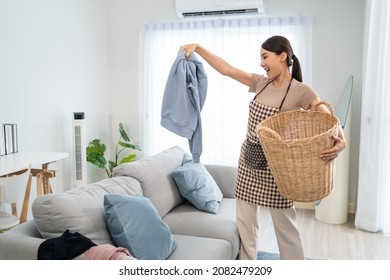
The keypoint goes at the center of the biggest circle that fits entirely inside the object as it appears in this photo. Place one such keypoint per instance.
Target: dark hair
(279, 44)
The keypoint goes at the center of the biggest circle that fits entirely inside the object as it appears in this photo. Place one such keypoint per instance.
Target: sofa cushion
(154, 174)
(80, 209)
(187, 220)
(196, 184)
(201, 248)
(135, 224)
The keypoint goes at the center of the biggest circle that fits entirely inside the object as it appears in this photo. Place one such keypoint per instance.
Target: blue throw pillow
(186, 159)
(135, 224)
(197, 186)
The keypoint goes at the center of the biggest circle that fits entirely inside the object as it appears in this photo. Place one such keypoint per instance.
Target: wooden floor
(328, 242)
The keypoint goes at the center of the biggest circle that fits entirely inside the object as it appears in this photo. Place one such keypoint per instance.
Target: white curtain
(373, 204)
(224, 115)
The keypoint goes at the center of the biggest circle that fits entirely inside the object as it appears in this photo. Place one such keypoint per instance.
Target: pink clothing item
(106, 252)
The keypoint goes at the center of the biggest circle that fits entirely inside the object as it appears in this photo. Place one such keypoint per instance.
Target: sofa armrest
(28, 228)
(225, 177)
(21, 242)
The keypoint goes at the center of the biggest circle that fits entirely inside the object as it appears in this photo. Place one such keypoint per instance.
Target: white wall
(53, 62)
(62, 56)
(337, 53)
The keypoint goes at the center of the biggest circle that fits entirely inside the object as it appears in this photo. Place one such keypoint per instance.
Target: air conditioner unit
(192, 8)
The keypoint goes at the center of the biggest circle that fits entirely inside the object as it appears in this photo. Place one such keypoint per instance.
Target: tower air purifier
(80, 157)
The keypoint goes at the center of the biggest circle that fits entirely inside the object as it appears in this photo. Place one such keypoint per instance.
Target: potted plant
(96, 150)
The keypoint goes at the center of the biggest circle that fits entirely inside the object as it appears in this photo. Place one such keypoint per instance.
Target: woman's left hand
(332, 153)
(339, 141)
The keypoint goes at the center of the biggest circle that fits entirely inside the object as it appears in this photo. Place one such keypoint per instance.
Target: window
(373, 204)
(224, 115)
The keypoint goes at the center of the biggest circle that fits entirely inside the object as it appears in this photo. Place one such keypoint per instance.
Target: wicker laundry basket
(292, 143)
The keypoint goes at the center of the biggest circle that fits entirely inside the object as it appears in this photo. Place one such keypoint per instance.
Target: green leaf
(95, 147)
(97, 160)
(129, 158)
(123, 133)
(95, 153)
(131, 146)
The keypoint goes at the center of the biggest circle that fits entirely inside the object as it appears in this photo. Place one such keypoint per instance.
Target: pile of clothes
(72, 245)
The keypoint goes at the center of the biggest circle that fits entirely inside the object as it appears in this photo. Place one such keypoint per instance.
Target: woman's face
(272, 63)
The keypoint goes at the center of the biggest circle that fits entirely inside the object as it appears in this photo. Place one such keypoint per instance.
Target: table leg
(26, 201)
(46, 175)
(39, 184)
(43, 175)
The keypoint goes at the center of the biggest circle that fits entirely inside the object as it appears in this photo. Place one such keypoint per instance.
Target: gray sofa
(199, 235)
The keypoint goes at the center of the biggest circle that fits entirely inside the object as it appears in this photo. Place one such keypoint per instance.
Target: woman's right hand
(217, 63)
(190, 48)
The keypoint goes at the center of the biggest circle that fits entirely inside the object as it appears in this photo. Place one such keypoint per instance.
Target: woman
(279, 91)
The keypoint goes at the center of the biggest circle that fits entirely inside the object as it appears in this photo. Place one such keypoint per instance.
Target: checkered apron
(255, 183)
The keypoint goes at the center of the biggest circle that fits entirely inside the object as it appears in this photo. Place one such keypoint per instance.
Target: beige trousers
(286, 231)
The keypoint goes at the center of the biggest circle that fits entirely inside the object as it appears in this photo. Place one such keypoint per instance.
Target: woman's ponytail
(296, 71)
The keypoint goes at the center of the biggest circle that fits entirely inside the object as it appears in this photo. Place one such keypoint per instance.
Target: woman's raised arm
(218, 63)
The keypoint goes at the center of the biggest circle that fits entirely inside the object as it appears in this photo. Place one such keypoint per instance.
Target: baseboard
(311, 206)
(351, 208)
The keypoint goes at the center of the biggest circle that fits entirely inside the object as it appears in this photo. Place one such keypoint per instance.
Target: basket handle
(270, 131)
(327, 104)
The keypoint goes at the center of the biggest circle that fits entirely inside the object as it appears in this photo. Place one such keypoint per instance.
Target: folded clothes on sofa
(107, 252)
(73, 244)
(65, 247)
